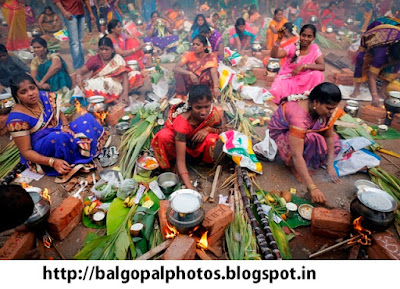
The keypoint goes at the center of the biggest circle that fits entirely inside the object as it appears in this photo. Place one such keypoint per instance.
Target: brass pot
(148, 49)
(273, 65)
(6, 103)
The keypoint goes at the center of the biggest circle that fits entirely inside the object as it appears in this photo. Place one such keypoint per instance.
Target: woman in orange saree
(175, 17)
(191, 129)
(201, 68)
(276, 24)
(14, 14)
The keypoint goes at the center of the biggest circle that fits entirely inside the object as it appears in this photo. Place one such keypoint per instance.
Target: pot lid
(185, 201)
(96, 99)
(377, 200)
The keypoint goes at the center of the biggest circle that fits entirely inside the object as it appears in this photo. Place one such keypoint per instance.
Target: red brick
(182, 248)
(260, 73)
(212, 239)
(331, 223)
(384, 246)
(217, 218)
(17, 245)
(372, 118)
(271, 76)
(378, 112)
(162, 217)
(347, 71)
(395, 125)
(61, 235)
(115, 113)
(64, 214)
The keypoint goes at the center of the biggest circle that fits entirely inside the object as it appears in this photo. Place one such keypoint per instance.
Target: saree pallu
(129, 44)
(283, 45)
(163, 142)
(169, 42)
(113, 12)
(173, 15)
(107, 80)
(372, 54)
(14, 14)
(47, 138)
(247, 33)
(199, 66)
(291, 119)
(286, 84)
(215, 41)
(57, 81)
(271, 36)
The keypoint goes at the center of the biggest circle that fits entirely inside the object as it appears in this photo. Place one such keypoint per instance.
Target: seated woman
(49, 70)
(111, 77)
(49, 22)
(199, 21)
(276, 24)
(157, 33)
(292, 14)
(328, 16)
(241, 36)
(303, 132)
(290, 37)
(9, 67)
(30, 17)
(215, 39)
(309, 9)
(201, 68)
(255, 20)
(378, 56)
(128, 46)
(47, 142)
(303, 68)
(175, 17)
(191, 128)
(214, 20)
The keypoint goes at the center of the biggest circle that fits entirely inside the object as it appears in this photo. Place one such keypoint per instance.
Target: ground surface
(275, 176)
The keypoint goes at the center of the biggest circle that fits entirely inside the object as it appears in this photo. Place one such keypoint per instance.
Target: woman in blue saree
(47, 142)
(49, 70)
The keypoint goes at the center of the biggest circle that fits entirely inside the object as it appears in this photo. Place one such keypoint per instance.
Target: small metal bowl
(122, 127)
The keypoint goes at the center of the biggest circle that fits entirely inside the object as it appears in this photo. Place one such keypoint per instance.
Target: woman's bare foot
(356, 93)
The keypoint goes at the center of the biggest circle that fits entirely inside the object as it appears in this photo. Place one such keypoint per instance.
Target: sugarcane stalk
(261, 239)
(263, 217)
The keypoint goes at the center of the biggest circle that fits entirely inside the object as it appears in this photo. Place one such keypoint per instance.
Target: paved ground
(275, 176)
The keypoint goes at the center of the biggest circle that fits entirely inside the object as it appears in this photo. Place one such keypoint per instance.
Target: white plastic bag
(258, 94)
(267, 147)
(161, 88)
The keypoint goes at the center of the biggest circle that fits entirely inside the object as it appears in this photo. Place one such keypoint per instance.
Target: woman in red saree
(191, 128)
(328, 16)
(308, 10)
(128, 46)
(201, 68)
(14, 14)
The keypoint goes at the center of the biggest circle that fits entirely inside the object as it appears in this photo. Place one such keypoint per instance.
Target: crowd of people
(192, 127)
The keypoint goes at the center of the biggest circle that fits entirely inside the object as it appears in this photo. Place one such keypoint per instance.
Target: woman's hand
(67, 15)
(124, 97)
(200, 135)
(44, 85)
(217, 92)
(297, 70)
(61, 166)
(67, 129)
(194, 78)
(317, 196)
(333, 175)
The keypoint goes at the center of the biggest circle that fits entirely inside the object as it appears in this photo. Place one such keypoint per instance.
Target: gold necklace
(34, 112)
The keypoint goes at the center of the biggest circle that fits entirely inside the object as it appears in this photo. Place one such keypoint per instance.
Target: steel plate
(377, 200)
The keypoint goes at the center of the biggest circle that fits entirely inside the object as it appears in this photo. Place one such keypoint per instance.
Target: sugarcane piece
(261, 239)
(263, 217)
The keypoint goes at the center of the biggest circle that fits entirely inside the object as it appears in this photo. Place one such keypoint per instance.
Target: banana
(86, 210)
(126, 201)
(131, 202)
(92, 206)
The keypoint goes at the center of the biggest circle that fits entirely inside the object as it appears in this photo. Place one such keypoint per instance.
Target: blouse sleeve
(181, 126)
(290, 50)
(17, 127)
(34, 64)
(92, 63)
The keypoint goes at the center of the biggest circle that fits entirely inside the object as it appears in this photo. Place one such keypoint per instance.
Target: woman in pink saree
(303, 132)
(303, 68)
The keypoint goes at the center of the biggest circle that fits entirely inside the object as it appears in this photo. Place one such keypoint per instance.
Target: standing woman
(201, 68)
(48, 69)
(199, 21)
(113, 11)
(304, 65)
(276, 24)
(128, 46)
(14, 14)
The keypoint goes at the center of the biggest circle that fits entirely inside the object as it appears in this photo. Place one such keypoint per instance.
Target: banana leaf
(92, 249)
(280, 238)
(115, 215)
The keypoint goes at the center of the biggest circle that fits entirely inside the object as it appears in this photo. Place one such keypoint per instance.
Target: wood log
(215, 182)
(203, 255)
(149, 254)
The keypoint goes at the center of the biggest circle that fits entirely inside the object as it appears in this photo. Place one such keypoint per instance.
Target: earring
(314, 107)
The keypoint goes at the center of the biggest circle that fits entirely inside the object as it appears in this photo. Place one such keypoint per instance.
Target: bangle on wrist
(51, 162)
(277, 44)
(184, 173)
(64, 125)
(311, 187)
(305, 66)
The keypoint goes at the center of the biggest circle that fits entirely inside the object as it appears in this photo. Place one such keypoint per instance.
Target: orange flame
(25, 185)
(101, 116)
(389, 115)
(170, 231)
(323, 29)
(365, 233)
(203, 243)
(79, 108)
(46, 195)
(47, 241)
